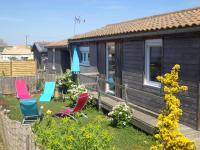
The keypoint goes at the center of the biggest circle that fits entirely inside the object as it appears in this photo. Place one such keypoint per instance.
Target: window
(153, 53)
(54, 57)
(84, 56)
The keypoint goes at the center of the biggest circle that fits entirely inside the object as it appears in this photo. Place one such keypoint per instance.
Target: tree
(3, 43)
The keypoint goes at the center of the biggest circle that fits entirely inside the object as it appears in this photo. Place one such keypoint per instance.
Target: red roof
(178, 19)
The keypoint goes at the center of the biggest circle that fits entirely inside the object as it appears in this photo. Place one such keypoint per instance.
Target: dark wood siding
(37, 56)
(133, 63)
(101, 59)
(93, 54)
(101, 53)
(65, 61)
(183, 50)
(50, 61)
(61, 58)
(132, 74)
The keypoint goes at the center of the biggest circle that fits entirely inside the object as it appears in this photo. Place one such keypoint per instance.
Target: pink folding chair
(21, 89)
(83, 98)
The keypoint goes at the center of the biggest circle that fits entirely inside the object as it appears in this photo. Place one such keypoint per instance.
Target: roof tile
(178, 19)
(58, 43)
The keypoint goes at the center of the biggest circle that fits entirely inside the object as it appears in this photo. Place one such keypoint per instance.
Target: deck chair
(83, 98)
(29, 110)
(48, 92)
(21, 89)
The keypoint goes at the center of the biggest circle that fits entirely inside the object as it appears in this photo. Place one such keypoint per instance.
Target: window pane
(84, 58)
(155, 62)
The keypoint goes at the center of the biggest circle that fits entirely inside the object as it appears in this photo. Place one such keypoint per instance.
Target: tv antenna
(77, 20)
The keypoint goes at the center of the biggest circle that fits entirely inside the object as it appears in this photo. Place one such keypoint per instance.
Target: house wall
(132, 75)
(101, 57)
(57, 62)
(93, 54)
(181, 49)
(92, 68)
(65, 59)
(185, 50)
(39, 57)
(62, 60)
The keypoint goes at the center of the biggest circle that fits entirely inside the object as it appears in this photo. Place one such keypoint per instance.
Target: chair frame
(71, 114)
(37, 118)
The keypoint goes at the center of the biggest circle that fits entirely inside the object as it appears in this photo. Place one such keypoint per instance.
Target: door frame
(107, 67)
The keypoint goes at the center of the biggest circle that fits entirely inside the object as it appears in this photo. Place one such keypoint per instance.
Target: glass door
(110, 67)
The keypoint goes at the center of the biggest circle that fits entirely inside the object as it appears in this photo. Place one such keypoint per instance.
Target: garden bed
(127, 138)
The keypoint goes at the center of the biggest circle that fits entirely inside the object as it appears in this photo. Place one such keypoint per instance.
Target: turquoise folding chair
(48, 92)
(30, 111)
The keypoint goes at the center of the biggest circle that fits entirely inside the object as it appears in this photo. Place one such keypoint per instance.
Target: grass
(15, 114)
(129, 138)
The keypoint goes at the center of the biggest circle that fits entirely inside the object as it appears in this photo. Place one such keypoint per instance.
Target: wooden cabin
(40, 55)
(134, 52)
(58, 57)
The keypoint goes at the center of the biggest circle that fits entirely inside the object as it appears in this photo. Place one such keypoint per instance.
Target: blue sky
(50, 20)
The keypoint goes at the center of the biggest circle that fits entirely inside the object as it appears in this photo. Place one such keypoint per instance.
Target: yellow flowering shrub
(169, 136)
(67, 134)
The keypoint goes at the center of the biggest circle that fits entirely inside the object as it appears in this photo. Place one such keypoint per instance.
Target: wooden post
(198, 108)
(27, 142)
(99, 94)
(125, 92)
(78, 79)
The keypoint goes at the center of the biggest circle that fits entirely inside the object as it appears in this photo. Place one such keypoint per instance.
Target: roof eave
(64, 46)
(138, 34)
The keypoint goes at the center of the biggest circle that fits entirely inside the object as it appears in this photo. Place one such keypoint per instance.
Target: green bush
(67, 134)
(121, 115)
(39, 84)
(71, 90)
(65, 81)
(73, 93)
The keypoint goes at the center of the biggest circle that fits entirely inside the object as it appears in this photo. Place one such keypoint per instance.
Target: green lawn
(129, 138)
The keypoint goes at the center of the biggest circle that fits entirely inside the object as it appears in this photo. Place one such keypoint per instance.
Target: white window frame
(85, 50)
(54, 59)
(148, 45)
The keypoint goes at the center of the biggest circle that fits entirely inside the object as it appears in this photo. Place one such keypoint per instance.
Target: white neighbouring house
(20, 52)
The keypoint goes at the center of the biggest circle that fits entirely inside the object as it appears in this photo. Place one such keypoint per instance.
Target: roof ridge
(154, 16)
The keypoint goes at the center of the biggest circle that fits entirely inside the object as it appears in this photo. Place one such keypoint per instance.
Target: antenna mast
(77, 20)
